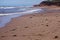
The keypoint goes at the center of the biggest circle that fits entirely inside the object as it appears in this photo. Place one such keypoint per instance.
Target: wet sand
(44, 26)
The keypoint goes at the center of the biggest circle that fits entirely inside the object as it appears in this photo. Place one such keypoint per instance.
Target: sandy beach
(43, 26)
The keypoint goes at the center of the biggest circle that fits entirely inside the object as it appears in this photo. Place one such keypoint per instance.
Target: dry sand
(33, 27)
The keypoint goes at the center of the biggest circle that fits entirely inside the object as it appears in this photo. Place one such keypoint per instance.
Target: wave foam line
(26, 12)
(7, 7)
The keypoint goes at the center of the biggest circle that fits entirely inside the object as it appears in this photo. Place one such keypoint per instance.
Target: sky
(19, 2)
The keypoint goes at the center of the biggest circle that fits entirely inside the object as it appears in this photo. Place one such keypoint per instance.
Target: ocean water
(7, 14)
(14, 8)
(19, 2)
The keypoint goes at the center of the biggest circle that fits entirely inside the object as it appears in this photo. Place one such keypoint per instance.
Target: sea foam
(6, 17)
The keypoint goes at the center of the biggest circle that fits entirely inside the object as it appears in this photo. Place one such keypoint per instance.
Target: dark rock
(14, 35)
(56, 37)
(48, 3)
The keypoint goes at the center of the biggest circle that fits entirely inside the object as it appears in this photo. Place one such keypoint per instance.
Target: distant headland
(47, 3)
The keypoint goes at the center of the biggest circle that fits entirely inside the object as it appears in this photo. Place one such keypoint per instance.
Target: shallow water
(7, 16)
(12, 9)
(6, 19)
(9, 13)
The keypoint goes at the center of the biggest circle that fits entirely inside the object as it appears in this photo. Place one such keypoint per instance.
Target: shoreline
(46, 12)
(40, 26)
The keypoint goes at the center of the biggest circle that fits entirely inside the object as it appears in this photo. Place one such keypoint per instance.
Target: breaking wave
(6, 7)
